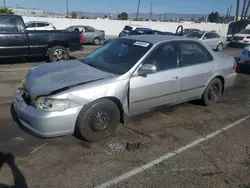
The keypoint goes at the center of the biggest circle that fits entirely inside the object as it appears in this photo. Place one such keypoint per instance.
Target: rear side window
(127, 28)
(193, 53)
(88, 29)
(8, 24)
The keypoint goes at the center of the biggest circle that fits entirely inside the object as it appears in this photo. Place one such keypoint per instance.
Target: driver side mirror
(204, 38)
(147, 69)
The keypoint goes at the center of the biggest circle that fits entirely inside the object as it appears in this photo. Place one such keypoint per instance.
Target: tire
(97, 41)
(212, 93)
(89, 127)
(219, 47)
(58, 53)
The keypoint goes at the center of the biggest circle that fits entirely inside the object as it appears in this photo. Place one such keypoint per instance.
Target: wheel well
(222, 81)
(119, 105)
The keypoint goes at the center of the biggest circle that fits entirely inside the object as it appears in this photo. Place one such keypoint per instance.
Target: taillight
(235, 65)
(81, 38)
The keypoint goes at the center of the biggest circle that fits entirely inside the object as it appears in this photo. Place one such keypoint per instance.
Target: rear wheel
(58, 53)
(219, 47)
(213, 92)
(97, 41)
(97, 120)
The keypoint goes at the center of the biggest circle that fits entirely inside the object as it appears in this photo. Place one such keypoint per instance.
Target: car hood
(47, 78)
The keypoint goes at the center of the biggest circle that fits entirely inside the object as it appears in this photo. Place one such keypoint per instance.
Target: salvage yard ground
(175, 139)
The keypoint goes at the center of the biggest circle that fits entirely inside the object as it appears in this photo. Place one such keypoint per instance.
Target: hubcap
(97, 41)
(59, 55)
(213, 92)
(100, 121)
(220, 47)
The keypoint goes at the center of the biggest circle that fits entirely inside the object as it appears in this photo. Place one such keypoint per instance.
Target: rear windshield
(127, 28)
(117, 56)
(195, 34)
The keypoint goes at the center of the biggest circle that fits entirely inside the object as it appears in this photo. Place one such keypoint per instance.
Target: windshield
(245, 31)
(118, 56)
(195, 34)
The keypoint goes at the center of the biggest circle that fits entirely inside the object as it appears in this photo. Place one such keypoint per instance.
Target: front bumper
(45, 124)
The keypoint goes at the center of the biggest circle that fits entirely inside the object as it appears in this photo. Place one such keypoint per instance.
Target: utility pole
(246, 12)
(243, 10)
(227, 15)
(138, 8)
(4, 3)
(230, 11)
(151, 11)
(237, 10)
(67, 4)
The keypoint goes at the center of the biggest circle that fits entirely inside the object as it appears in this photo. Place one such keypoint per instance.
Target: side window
(192, 53)
(164, 57)
(214, 35)
(88, 29)
(40, 24)
(207, 36)
(31, 25)
(8, 24)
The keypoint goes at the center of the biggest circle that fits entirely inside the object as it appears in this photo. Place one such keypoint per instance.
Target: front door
(211, 40)
(160, 88)
(197, 68)
(13, 40)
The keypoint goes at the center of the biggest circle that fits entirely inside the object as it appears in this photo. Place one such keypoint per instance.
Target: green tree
(213, 17)
(138, 19)
(5, 10)
(123, 16)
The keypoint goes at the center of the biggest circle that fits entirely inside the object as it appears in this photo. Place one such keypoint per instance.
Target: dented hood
(47, 78)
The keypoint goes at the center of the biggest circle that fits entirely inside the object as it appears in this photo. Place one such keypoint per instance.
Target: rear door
(13, 38)
(160, 88)
(89, 34)
(197, 68)
(211, 39)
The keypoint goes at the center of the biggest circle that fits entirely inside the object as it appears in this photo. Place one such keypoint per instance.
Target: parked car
(15, 41)
(90, 34)
(245, 55)
(185, 32)
(129, 28)
(243, 37)
(38, 25)
(129, 76)
(212, 39)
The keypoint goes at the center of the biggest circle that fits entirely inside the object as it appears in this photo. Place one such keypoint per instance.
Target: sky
(130, 6)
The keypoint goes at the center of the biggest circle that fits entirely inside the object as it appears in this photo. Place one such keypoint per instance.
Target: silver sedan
(212, 39)
(126, 77)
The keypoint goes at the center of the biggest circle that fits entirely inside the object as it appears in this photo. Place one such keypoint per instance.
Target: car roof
(38, 22)
(154, 39)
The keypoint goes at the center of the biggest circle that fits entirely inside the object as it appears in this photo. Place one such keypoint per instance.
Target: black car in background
(16, 41)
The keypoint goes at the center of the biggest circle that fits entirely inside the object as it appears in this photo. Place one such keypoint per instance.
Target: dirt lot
(184, 146)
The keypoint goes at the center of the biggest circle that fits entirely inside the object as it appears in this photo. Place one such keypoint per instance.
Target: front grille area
(26, 97)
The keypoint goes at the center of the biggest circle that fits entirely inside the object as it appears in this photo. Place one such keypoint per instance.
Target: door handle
(176, 78)
(17, 37)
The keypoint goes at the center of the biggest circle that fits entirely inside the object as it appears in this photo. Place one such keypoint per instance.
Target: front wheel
(219, 47)
(212, 93)
(58, 53)
(97, 120)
